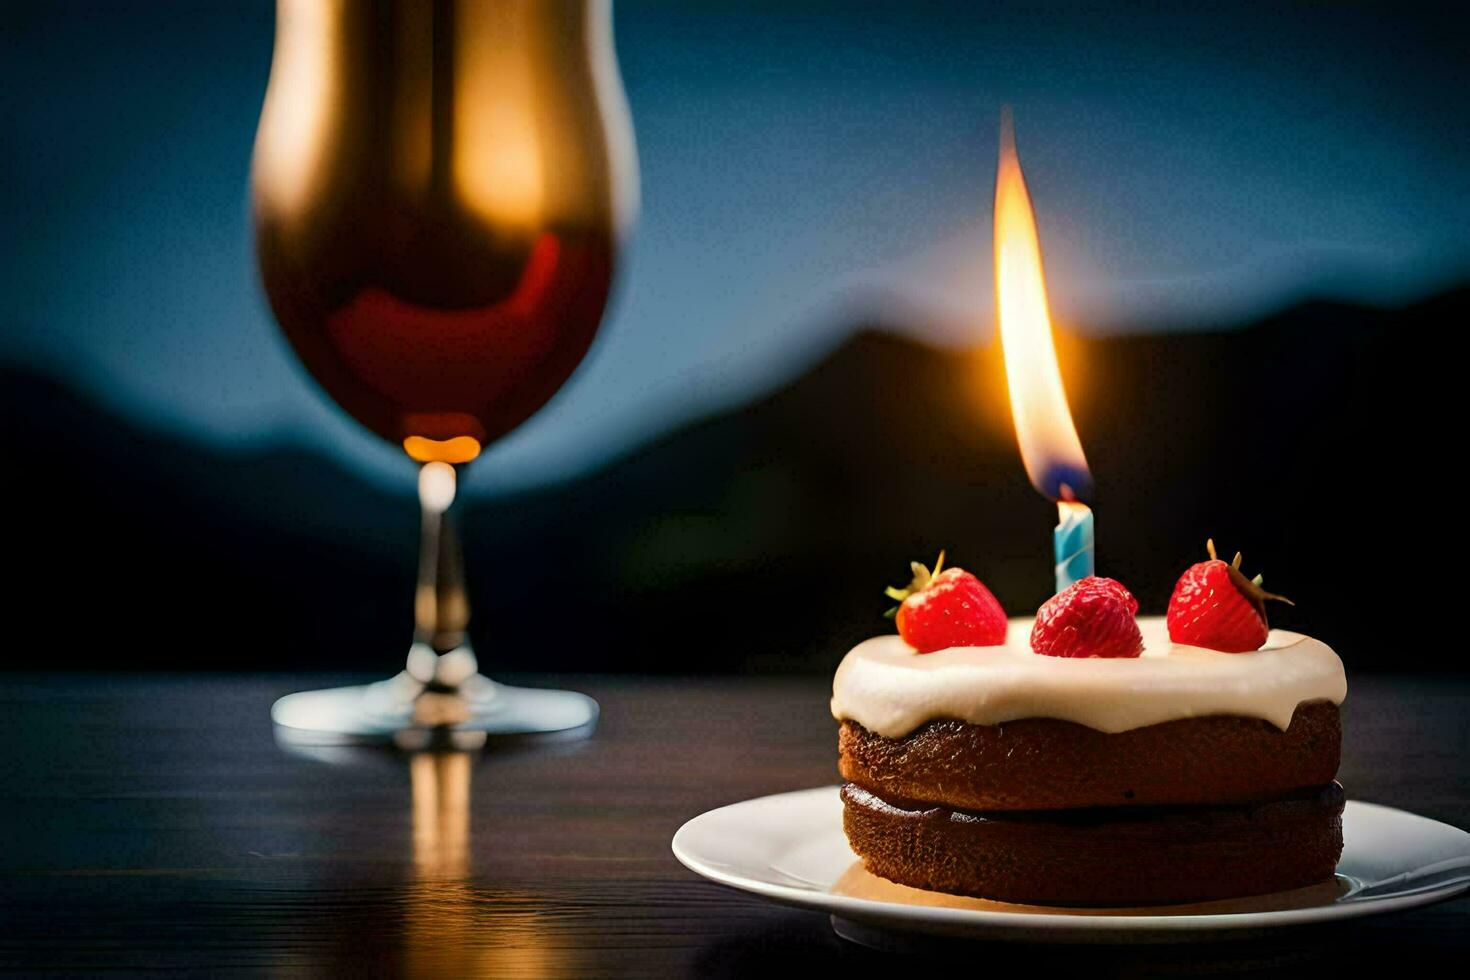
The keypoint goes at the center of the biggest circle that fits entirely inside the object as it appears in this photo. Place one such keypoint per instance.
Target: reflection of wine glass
(439, 192)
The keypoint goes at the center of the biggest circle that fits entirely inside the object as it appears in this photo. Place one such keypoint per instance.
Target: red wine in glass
(439, 190)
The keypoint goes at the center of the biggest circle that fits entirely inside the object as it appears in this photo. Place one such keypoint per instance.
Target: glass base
(411, 714)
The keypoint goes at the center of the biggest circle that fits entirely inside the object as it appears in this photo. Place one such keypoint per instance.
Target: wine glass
(439, 193)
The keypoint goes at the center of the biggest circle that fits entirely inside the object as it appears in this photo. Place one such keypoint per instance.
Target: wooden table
(152, 823)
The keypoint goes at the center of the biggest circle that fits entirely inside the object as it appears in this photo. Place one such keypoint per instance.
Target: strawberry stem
(1250, 587)
(920, 582)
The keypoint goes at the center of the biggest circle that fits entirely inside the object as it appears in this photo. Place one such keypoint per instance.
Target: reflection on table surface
(450, 927)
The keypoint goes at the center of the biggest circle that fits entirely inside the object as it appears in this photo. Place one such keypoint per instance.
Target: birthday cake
(1090, 758)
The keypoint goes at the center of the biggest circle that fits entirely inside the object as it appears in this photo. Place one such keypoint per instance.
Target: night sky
(804, 167)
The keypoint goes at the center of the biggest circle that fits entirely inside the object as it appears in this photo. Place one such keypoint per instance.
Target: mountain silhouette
(1320, 441)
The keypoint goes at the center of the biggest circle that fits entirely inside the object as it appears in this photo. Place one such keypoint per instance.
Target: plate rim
(874, 910)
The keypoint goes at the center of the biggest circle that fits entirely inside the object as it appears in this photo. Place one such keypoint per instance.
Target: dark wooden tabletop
(152, 823)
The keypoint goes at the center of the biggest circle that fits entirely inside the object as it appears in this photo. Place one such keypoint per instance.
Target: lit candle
(1048, 439)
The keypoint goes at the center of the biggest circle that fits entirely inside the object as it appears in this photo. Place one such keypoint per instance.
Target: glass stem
(441, 606)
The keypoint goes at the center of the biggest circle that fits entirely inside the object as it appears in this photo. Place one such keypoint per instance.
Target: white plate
(791, 848)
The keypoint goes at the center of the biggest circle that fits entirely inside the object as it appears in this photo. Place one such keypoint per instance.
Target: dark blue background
(804, 165)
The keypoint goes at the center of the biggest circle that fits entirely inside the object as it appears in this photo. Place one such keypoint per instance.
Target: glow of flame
(298, 99)
(498, 152)
(1049, 444)
(459, 449)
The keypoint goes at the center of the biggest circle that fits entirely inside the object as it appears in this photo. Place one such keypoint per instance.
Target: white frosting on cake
(889, 689)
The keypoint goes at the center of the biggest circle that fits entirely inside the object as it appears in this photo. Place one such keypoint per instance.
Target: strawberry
(1216, 607)
(1091, 618)
(948, 608)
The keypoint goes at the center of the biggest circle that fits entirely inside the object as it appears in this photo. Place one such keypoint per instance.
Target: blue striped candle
(1073, 542)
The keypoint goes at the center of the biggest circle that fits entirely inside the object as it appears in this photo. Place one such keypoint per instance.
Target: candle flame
(1049, 444)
